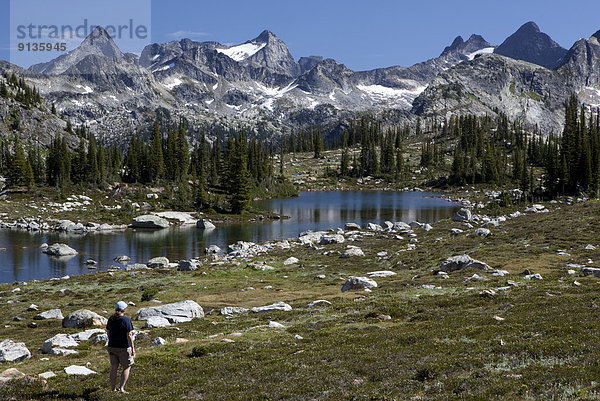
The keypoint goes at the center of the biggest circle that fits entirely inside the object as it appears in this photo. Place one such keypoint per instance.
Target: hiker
(120, 346)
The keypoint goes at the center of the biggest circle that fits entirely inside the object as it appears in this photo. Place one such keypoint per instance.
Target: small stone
(481, 232)
(381, 273)
(32, 325)
(11, 351)
(47, 375)
(187, 265)
(158, 341)
(32, 307)
(319, 302)
(487, 293)
(78, 370)
(320, 276)
(158, 263)
(277, 306)
(50, 314)
(462, 215)
(276, 325)
(290, 261)
(535, 276)
(205, 224)
(498, 318)
(298, 337)
(59, 250)
(123, 259)
(352, 251)
(213, 249)
(232, 310)
(576, 283)
(358, 283)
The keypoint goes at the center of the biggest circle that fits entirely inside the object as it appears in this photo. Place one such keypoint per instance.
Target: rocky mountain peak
(459, 47)
(597, 35)
(528, 28)
(456, 44)
(266, 36)
(529, 44)
(97, 43)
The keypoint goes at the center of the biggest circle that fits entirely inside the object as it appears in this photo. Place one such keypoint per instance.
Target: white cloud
(187, 34)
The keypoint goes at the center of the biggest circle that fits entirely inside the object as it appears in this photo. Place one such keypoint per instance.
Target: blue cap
(121, 305)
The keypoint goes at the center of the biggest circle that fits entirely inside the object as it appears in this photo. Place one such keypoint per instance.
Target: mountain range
(259, 85)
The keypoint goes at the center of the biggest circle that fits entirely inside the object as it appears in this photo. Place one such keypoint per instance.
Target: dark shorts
(123, 356)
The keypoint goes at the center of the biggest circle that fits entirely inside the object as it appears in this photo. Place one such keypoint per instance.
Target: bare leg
(124, 377)
(113, 376)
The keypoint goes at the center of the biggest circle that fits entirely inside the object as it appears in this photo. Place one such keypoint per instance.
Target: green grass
(440, 344)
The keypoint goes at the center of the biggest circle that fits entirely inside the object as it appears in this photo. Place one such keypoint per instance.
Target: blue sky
(362, 35)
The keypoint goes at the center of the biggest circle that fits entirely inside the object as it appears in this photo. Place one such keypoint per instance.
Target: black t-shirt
(117, 331)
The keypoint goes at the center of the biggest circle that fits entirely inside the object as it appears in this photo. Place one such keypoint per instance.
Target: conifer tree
(157, 163)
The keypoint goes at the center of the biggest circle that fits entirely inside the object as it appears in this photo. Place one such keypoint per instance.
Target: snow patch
(486, 50)
(242, 52)
(384, 93)
(172, 82)
(86, 89)
(166, 67)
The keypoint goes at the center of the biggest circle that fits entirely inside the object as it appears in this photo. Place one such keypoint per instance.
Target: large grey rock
(60, 250)
(462, 262)
(123, 259)
(62, 351)
(481, 232)
(157, 263)
(232, 310)
(381, 273)
(99, 338)
(59, 341)
(352, 226)
(374, 227)
(455, 232)
(63, 225)
(11, 351)
(290, 261)
(213, 249)
(156, 321)
(205, 224)
(78, 370)
(135, 266)
(401, 226)
(277, 306)
(358, 283)
(83, 318)
(149, 221)
(187, 265)
(352, 252)
(11, 374)
(332, 239)
(86, 335)
(49, 314)
(177, 312)
(311, 237)
(462, 215)
(591, 271)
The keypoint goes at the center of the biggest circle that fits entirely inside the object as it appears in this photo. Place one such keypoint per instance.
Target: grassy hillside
(536, 340)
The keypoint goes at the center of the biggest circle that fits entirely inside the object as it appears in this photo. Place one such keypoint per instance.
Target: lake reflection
(23, 260)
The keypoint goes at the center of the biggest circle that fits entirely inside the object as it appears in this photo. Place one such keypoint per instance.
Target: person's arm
(130, 335)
